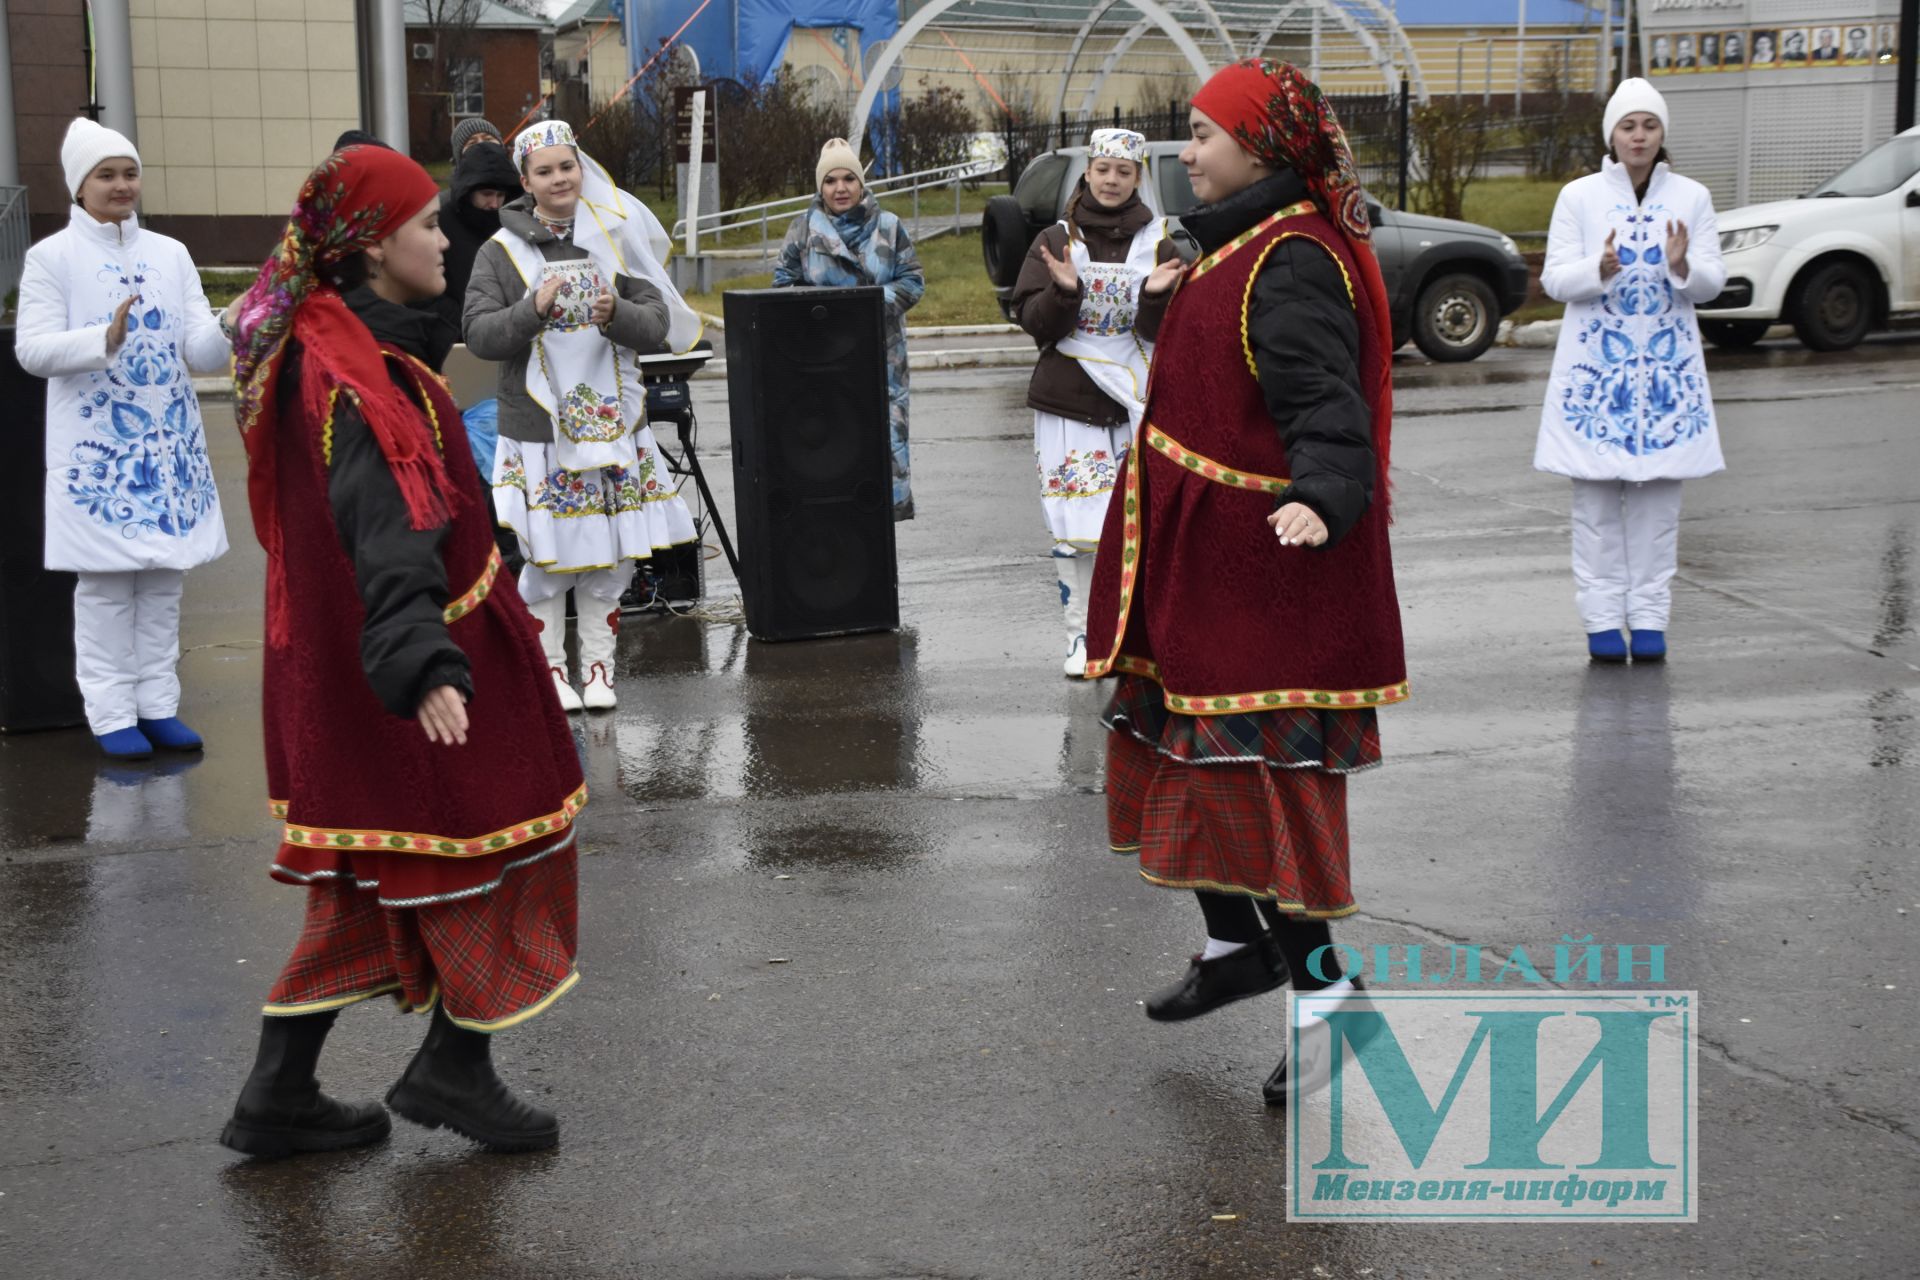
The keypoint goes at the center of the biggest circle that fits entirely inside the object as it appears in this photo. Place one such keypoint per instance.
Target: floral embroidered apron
(589, 386)
(1103, 339)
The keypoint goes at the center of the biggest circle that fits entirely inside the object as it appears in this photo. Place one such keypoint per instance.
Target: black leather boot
(1253, 970)
(451, 1082)
(281, 1109)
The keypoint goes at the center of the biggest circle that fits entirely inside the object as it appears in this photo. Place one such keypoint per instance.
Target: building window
(465, 82)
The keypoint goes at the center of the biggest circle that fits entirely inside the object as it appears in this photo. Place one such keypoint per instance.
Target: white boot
(1076, 584)
(550, 615)
(598, 635)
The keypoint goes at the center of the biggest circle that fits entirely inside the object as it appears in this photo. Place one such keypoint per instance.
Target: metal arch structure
(1402, 45)
(1393, 59)
(1139, 29)
(1345, 21)
(1402, 60)
(1152, 10)
(1389, 70)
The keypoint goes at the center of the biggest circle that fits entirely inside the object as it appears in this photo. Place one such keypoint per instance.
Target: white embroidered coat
(129, 486)
(1628, 398)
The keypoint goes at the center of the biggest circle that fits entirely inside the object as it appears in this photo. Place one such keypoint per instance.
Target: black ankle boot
(1254, 969)
(281, 1109)
(451, 1082)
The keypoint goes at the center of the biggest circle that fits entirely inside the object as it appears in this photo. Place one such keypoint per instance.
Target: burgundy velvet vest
(361, 791)
(1192, 587)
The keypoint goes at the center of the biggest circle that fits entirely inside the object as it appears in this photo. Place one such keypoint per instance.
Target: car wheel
(1456, 317)
(1004, 240)
(1833, 308)
(1734, 335)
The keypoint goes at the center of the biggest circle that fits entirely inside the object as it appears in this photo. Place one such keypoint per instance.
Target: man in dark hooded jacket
(483, 179)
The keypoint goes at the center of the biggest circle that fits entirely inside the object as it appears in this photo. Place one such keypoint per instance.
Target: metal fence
(15, 236)
(771, 218)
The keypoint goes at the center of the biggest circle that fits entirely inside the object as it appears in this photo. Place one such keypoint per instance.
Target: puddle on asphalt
(1625, 761)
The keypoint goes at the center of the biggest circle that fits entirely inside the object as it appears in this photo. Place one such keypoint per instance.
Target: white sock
(1216, 949)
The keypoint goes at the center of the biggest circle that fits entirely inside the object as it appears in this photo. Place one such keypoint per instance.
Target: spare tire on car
(1004, 239)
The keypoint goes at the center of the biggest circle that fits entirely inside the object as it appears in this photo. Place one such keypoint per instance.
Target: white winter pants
(126, 646)
(1626, 540)
(606, 585)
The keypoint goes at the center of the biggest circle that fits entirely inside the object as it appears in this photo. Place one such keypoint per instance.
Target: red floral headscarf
(358, 197)
(1281, 117)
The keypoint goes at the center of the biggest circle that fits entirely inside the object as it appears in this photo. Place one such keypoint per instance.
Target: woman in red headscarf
(1244, 591)
(415, 749)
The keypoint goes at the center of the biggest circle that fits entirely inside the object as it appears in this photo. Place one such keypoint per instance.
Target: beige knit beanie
(837, 154)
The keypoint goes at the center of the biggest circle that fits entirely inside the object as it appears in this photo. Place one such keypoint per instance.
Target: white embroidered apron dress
(1079, 462)
(597, 497)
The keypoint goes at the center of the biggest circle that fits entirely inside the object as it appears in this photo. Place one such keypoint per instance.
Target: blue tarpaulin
(747, 39)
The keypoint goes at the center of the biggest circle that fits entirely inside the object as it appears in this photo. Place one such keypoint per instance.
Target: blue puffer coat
(864, 246)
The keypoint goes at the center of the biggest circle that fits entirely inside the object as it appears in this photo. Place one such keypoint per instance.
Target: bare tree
(1451, 136)
(1559, 136)
(452, 26)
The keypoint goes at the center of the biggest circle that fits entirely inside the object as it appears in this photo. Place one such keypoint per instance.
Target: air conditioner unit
(422, 51)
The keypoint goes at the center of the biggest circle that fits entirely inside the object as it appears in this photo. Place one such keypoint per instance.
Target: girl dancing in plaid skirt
(416, 751)
(1244, 590)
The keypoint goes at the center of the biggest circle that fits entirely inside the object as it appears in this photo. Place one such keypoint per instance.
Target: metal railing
(15, 236)
(766, 215)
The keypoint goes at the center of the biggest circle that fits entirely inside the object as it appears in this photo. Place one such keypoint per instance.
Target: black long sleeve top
(1305, 337)
(405, 647)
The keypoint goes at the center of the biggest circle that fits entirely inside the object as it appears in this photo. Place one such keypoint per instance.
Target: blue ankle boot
(1606, 646)
(171, 734)
(1649, 646)
(125, 744)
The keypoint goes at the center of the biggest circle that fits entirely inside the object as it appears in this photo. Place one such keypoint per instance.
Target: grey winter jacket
(500, 323)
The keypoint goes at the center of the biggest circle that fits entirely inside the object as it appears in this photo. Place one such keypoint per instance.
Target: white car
(1836, 264)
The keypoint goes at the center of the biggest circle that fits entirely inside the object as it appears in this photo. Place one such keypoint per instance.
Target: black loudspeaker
(812, 461)
(37, 687)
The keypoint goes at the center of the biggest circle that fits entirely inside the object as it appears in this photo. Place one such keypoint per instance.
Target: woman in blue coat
(847, 239)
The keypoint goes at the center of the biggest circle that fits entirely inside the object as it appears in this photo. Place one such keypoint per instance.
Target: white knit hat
(837, 154)
(85, 146)
(1633, 95)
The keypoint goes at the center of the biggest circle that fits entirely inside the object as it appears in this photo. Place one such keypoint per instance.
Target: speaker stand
(691, 467)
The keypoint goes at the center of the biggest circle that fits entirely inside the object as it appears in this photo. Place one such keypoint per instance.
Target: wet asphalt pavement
(947, 1074)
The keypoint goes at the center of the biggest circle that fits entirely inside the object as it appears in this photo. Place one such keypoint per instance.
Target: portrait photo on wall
(1857, 52)
(1766, 50)
(1733, 51)
(1793, 47)
(1685, 58)
(1660, 56)
(1709, 51)
(1826, 45)
(1885, 43)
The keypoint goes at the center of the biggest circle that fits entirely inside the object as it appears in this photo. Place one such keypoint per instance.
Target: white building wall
(237, 100)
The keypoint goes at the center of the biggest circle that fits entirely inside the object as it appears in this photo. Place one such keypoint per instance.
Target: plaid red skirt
(495, 958)
(1240, 826)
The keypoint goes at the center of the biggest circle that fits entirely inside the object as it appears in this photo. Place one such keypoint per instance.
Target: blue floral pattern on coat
(1638, 384)
(146, 470)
